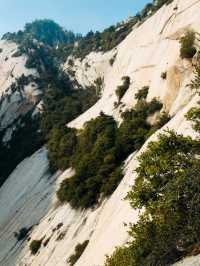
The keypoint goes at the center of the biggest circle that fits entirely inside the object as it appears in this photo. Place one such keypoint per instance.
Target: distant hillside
(46, 31)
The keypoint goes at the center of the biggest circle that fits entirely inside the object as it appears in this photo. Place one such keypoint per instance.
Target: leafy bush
(187, 45)
(22, 234)
(142, 93)
(135, 122)
(61, 146)
(195, 83)
(164, 75)
(95, 144)
(35, 246)
(112, 59)
(167, 188)
(121, 90)
(79, 249)
(160, 3)
(100, 151)
(194, 116)
(120, 257)
(162, 119)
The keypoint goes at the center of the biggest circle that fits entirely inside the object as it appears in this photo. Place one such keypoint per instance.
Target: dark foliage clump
(101, 148)
(164, 75)
(122, 89)
(167, 190)
(167, 186)
(26, 139)
(22, 234)
(35, 246)
(79, 249)
(93, 161)
(187, 45)
(61, 146)
(142, 94)
(135, 129)
(160, 3)
(112, 59)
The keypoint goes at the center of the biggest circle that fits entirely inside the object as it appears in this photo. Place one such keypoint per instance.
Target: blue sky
(77, 15)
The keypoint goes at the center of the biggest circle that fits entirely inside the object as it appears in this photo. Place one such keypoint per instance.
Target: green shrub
(142, 93)
(164, 75)
(95, 143)
(100, 151)
(61, 107)
(195, 83)
(112, 59)
(194, 116)
(61, 146)
(35, 246)
(113, 180)
(71, 62)
(162, 119)
(22, 234)
(160, 3)
(79, 249)
(122, 89)
(187, 45)
(135, 121)
(167, 189)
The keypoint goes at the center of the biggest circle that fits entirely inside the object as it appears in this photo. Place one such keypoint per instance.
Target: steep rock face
(104, 226)
(11, 66)
(14, 103)
(149, 50)
(22, 204)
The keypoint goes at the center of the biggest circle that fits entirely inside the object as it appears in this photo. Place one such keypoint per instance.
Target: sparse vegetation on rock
(121, 90)
(142, 93)
(167, 190)
(35, 246)
(22, 234)
(164, 75)
(167, 186)
(112, 59)
(79, 249)
(100, 151)
(188, 49)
